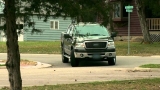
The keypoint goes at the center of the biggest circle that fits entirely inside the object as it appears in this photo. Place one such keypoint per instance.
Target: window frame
(53, 25)
(121, 18)
(120, 6)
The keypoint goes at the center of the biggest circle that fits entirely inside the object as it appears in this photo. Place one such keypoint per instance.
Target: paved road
(122, 61)
(87, 72)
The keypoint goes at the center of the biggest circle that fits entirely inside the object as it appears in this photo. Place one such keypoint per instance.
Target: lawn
(53, 47)
(138, 49)
(150, 66)
(35, 47)
(141, 84)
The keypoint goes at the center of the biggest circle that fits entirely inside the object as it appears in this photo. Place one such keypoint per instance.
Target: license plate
(96, 56)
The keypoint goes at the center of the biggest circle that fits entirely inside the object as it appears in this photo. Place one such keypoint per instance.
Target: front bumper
(93, 54)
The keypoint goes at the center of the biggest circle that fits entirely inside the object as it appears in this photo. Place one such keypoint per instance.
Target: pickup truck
(87, 41)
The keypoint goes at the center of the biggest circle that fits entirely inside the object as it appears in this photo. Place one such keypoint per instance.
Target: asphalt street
(122, 61)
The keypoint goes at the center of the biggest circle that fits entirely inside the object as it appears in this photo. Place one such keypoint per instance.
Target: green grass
(150, 66)
(2, 65)
(137, 49)
(35, 47)
(141, 84)
(53, 47)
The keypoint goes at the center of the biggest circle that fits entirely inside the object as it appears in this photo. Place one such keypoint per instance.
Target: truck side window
(71, 31)
(68, 30)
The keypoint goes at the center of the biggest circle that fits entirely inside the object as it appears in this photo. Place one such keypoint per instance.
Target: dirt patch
(23, 62)
(28, 63)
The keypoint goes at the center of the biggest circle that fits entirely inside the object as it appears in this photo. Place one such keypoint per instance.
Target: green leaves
(81, 10)
(152, 8)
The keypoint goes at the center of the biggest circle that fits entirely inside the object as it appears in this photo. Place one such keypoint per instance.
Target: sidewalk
(32, 69)
(54, 76)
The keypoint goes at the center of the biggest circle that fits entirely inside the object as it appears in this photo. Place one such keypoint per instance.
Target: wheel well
(72, 48)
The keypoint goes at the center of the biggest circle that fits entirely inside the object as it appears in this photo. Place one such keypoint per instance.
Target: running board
(67, 56)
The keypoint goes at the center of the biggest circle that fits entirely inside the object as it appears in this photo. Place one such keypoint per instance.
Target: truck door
(67, 41)
(70, 40)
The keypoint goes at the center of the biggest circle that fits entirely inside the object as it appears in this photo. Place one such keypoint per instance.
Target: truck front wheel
(74, 61)
(112, 61)
(64, 59)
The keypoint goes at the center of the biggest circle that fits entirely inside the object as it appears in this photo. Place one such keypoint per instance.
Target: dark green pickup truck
(87, 42)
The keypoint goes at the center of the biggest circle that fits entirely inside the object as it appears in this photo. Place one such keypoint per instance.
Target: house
(120, 21)
(51, 30)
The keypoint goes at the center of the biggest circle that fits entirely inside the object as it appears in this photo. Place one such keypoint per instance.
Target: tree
(141, 13)
(142, 7)
(152, 8)
(81, 10)
(13, 55)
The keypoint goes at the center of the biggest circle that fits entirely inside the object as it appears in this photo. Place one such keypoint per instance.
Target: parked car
(87, 41)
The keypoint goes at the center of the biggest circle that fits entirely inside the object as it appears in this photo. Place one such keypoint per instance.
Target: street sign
(129, 8)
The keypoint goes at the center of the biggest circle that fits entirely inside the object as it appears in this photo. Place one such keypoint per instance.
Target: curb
(39, 65)
(139, 69)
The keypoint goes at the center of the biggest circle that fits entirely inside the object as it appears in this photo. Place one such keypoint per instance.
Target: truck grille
(95, 45)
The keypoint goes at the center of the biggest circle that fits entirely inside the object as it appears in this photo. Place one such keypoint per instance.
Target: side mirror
(67, 36)
(113, 34)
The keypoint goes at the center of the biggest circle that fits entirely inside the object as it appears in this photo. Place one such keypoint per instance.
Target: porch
(154, 28)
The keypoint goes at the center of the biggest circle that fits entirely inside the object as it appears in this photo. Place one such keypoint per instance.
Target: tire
(64, 59)
(112, 61)
(74, 61)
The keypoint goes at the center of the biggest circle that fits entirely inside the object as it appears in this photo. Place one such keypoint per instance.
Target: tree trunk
(111, 26)
(140, 11)
(13, 55)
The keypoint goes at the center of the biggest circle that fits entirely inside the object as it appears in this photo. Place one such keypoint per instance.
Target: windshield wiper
(97, 35)
(94, 34)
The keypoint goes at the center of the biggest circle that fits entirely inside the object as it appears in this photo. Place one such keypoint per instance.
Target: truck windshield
(91, 30)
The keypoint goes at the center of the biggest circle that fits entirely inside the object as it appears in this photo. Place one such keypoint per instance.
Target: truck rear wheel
(74, 61)
(112, 61)
(64, 59)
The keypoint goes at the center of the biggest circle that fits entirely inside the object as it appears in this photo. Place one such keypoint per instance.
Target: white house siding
(48, 34)
(3, 38)
(2, 35)
(1, 6)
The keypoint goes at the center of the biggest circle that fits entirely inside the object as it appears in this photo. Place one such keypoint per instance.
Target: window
(119, 13)
(54, 24)
(117, 10)
(69, 29)
(91, 30)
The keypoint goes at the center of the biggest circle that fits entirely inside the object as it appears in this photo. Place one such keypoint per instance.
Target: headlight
(110, 44)
(79, 45)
